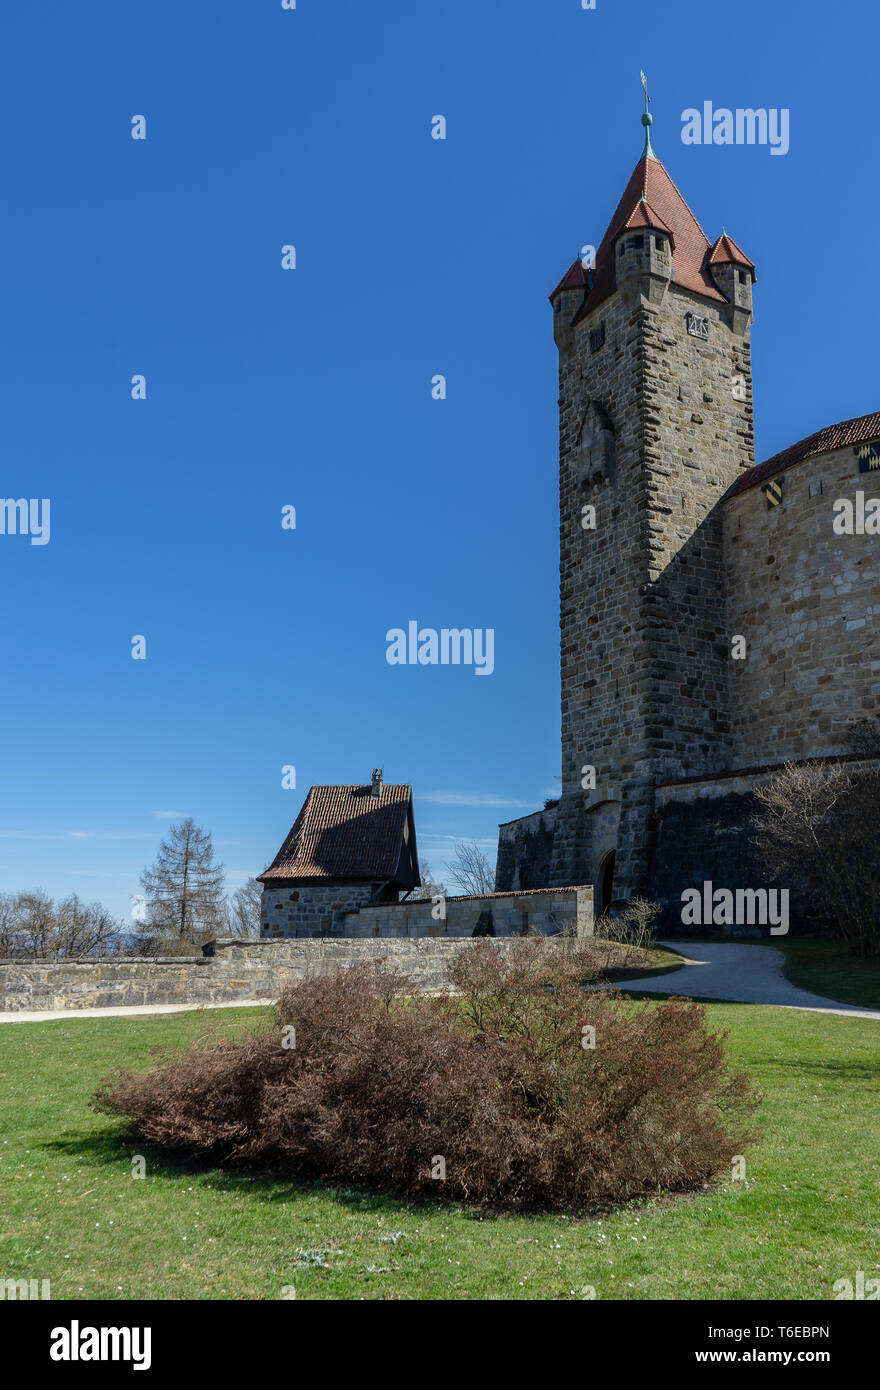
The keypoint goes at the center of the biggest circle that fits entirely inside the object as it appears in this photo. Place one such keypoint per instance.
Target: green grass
(819, 965)
(660, 961)
(806, 1215)
(827, 967)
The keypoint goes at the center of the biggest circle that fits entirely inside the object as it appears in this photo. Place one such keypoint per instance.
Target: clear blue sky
(312, 387)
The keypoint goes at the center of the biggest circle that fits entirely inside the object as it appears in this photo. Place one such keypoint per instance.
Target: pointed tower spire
(647, 122)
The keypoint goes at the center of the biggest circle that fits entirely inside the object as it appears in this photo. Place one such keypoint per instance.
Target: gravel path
(745, 974)
(57, 1015)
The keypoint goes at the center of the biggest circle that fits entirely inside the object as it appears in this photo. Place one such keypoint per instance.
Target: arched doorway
(605, 884)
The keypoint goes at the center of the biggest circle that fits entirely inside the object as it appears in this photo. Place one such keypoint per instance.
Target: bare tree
(470, 869)
(36, 920)
(184, 887)
(9, 923)
(33, 926)
(428, 888)
(817, 827)
(243, 909)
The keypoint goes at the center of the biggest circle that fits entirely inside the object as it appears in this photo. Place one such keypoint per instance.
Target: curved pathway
(743, 974)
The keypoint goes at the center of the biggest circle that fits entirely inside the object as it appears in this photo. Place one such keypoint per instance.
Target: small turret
(734, 275)
(566, 299)
(643, 254)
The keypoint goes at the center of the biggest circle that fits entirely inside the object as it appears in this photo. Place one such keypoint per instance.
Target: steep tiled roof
(860, 430)
(643, 215)
(649, 182)
(345, 833)
(726, 252)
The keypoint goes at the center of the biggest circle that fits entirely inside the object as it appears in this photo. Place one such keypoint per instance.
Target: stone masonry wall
(547, 912)
(525, 851)
(305, 910)
(236, 972)
(643, 645)
(808, 603)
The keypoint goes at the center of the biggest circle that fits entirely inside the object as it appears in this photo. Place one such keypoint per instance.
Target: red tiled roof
(345, 833)
(860, 430)
(643, 215)
(726, 252)
(649, 181)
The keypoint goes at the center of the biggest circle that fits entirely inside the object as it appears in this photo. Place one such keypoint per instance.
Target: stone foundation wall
(234, 972)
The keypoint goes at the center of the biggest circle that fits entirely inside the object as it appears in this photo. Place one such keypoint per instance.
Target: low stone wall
(230, 971)
(546, 911)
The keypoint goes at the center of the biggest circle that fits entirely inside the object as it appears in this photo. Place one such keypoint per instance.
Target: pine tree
(184, 887)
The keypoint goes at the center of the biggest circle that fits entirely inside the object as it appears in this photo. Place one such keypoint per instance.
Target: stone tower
(655, 423)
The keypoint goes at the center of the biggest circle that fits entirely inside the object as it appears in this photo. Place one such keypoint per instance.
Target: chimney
(376, 788)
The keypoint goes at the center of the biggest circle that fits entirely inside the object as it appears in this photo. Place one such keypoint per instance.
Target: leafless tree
(184, 887)
(429, 887)
(9, 923)
(817, 827)
(243, 909)
(34, 927)
(470, 869)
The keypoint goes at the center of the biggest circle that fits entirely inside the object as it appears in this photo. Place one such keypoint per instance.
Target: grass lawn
(806, 1215)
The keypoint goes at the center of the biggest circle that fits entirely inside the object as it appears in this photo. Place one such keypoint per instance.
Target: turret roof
(726, 252)
(649, 184)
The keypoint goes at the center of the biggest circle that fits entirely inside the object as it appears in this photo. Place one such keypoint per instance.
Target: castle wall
(546, 912)
(525, 851)
(238, 972)
(807, 601)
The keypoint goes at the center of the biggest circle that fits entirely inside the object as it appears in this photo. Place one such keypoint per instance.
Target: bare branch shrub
(496, 1081)
(631, 931)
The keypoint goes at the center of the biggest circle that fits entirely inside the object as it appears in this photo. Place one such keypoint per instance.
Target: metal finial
(647, 121)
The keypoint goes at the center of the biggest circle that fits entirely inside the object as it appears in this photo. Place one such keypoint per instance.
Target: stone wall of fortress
(808, 603)
(233, 971)
(238, 972)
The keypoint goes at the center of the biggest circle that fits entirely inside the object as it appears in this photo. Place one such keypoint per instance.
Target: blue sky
(312, 387)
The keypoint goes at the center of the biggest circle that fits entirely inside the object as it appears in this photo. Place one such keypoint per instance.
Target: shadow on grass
(115, 1150)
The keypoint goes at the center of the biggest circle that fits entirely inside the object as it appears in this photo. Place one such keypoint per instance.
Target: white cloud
(472, 799)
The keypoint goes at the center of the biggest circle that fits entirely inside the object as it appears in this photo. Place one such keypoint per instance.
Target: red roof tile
(345, 833)
(862, 429)
(649, 181)
(726, 252)
(643, 215)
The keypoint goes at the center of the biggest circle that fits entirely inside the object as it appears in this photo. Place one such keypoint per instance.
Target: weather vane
(647, 120)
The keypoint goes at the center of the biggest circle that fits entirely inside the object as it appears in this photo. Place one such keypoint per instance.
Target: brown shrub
(494, 1080)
